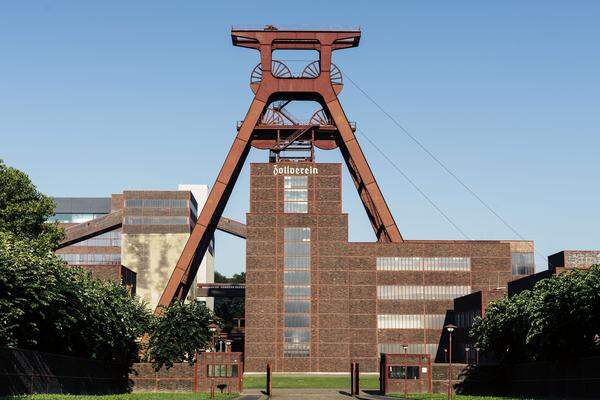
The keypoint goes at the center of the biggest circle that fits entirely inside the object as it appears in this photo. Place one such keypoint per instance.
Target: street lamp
(445, 355)
(405, 347)
(467, 354)
(213, 332)
(450, 328)
(477, 355)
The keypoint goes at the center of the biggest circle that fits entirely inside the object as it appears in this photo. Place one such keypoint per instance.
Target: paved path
(310, 394)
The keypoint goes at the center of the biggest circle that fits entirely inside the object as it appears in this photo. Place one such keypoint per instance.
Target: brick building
(316, 302)
(145, 236)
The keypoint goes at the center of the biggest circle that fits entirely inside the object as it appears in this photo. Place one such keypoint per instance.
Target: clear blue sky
(97, 97)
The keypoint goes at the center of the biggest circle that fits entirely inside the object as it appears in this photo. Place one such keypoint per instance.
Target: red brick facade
(344, 279)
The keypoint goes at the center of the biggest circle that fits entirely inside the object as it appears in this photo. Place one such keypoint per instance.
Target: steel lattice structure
(269, 126)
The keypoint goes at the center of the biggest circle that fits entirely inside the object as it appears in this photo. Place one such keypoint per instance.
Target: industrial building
(140, 237)
(316, 302)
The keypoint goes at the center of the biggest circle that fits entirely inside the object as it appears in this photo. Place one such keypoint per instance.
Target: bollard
(269, 382)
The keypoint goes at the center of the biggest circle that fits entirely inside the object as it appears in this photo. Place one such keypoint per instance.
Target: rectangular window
(74, 218)
(156, 220)
(413, 348)
(108, 239)
(296, 292)
(90, 258)
(156, 203)
(222, 370)
(523, 264)
(295, 194)
(407, 292)
(410, 321)
(423, 263)
(403, 372)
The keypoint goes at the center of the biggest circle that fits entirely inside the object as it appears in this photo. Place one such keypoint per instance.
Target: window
(222, 370)
(108, 239)
(403, 372)
(295, 194)
(74, 218)
(156, 220)
(423, 264)
(406, 292)
(90, 258)
(156, 203)
(413, 348)
(523, 264)
(296, 292)
(410, 321)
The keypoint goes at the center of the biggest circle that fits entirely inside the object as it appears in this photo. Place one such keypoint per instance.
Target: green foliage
(236, 278)
(558, 319)
(24, 210)
(178, 334)
(48, 307)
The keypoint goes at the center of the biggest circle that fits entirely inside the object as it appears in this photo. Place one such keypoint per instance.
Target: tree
(24, 210)
(179, 334)
(46, 305)
(558, 319)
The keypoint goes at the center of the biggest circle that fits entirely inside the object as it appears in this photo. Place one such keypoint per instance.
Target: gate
(221, 372)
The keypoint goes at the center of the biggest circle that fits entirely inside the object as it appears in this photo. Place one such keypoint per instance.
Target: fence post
(269, 382)
(357, 379)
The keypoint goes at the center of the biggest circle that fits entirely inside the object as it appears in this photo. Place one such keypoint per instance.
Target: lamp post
(445, 355)
(450, 328)
(213, 332)
(405, 347)
(467, 349)
(477, 355)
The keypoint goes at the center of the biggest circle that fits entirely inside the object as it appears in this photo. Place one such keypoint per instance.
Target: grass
(310, 381)
(126, 396)
(438, 396)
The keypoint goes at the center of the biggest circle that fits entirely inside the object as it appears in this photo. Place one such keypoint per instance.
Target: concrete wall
(152, 256)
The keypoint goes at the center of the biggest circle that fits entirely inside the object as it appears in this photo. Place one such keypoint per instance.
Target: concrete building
(316, 302)
(144, 241)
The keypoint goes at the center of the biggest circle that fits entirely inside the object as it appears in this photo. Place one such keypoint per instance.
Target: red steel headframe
(269, 89)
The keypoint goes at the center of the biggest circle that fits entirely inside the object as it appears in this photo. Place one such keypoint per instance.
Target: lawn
(310, 381)
(438, 396)
(127, 396)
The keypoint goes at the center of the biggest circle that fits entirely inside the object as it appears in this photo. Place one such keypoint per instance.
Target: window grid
(410, 321)
(296, 292)
(295, 194)
(156, 220)
(407, 292)
(90, 258)
(412, 348)
(423, 263)
(156, 203)
(108, 239)
(74, 218)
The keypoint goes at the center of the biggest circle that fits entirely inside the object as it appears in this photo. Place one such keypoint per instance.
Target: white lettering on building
(293, 170)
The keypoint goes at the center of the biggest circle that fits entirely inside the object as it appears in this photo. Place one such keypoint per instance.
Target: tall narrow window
(295, 194)
(296, 292)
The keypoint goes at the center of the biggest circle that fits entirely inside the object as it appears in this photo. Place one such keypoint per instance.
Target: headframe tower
(269, 126)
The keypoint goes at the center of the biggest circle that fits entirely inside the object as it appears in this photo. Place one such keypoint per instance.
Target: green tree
(559, 318)
(179, 334)
(24, 210)
(46, 305)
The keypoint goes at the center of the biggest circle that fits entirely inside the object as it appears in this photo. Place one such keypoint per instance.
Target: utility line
(437, 160)
(414, 185)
